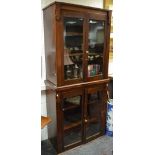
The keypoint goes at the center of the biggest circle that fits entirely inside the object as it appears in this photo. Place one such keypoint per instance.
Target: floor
(100, 146)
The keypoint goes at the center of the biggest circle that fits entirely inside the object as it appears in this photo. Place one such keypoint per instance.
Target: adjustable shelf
(70, 34)
(70, 106)
(72, 125)
(94, 102)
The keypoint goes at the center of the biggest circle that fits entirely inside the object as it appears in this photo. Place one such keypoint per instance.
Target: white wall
(93, 3)
(44, 134)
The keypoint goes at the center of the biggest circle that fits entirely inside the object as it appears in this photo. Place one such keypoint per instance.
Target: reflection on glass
(96, 47)
(73, 48)
(72, 137)
(72, 113)
(93, 125)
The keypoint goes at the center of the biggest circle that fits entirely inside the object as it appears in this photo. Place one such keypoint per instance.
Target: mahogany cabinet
(77, 54)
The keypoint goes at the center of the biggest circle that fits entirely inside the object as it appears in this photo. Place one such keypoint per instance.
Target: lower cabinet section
(81, 115)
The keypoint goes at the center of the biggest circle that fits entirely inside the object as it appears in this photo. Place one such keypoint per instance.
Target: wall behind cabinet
(93, 3)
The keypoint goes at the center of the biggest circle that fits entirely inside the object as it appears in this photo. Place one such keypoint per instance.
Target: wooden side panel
(59, 47)
(106, 52)
(50, 41)
(59, 123)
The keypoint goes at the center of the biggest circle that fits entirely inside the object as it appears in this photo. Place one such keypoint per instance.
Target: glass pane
(96, 47)
(72, 109)
(93, 114)
(73, 48)
(72, 137)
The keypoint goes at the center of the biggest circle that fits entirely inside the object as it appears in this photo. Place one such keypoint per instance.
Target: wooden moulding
(79, 85)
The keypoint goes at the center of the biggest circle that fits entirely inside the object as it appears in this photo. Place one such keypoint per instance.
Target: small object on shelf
(97, 56)
(68, 72)
(76, 69)
(81, 73)
(76, 48)
(77, 57)
(93, 69)
(67, 59)
(74, 100)
(91, 58)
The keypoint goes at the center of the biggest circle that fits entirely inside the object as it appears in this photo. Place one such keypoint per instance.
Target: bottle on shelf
(68, 72)
(93, 69)
(76, 70)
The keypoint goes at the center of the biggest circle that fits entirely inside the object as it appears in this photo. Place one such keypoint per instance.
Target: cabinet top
(74, 5)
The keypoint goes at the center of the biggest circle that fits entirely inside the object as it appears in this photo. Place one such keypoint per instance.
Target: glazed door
(73, 47)
(94, 115)
(95, 47)
(84, 47)
(72, 113)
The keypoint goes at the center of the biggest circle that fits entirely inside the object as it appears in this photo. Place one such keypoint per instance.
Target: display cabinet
(76, 43)
(77, 53)
(80, 113)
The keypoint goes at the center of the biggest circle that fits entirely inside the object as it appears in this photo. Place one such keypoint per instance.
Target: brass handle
(86, 120)
(57, 96)
(87, 56)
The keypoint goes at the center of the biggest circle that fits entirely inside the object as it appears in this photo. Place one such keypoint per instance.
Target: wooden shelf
(94, 102)
(73, 125)
(78, 123)
(73, 54)
(100, 74)
(70, 106)
(73, 34)
(95, 53)
(93, 119)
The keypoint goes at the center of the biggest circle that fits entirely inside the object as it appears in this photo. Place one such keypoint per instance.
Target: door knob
(86, 120)
(57, 96)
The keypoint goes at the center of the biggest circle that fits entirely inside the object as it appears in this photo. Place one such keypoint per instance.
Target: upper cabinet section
(76, 43)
